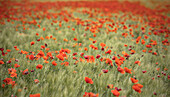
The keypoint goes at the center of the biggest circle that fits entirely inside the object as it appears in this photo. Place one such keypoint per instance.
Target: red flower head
(88, 80)
(36, 81)
(127, 70)
(25, 72)
(137, 87)
(7, 80)
(90, 94)
(134, 80)
(35, 95)
(54, 63)
(121, 70)
(115, 93)
(105, 70)
(32, 43)
(39, 66)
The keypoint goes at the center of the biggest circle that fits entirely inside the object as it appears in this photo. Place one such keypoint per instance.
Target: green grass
(60, 81)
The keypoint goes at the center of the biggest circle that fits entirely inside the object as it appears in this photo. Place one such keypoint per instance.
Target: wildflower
(134, 80)
(88, 80)
(137, 87)
(121, 70)
(25, 72)
(54, 63)
(105, 70)
(115, 93)
(32, 43)
(39, 66)
(90, 94)
(36, 81)
(35, 95)
(127, 70)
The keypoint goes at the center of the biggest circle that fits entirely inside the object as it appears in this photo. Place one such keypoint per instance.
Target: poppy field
(87, 48)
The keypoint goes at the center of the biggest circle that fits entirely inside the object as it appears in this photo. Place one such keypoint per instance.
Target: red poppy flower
(137, 87)
(88, 80)
(75, 39)
(43, 29)
(3, 85)
(32, 43)
(127, 70)
(1, 62)
(98, 56)
(16, 65)
(134, 80)
(31, 57)
(36, 81)
(7, 80)
(108, 52)
(35, 95)
(81, 54)
(115, 93)
(54, 63)
(121, 70)
(39, 66)
(13, 74)
(144, 71)
(105, 70)
(25, 72)
(90, 94)
(102, 44)
(60, 57)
